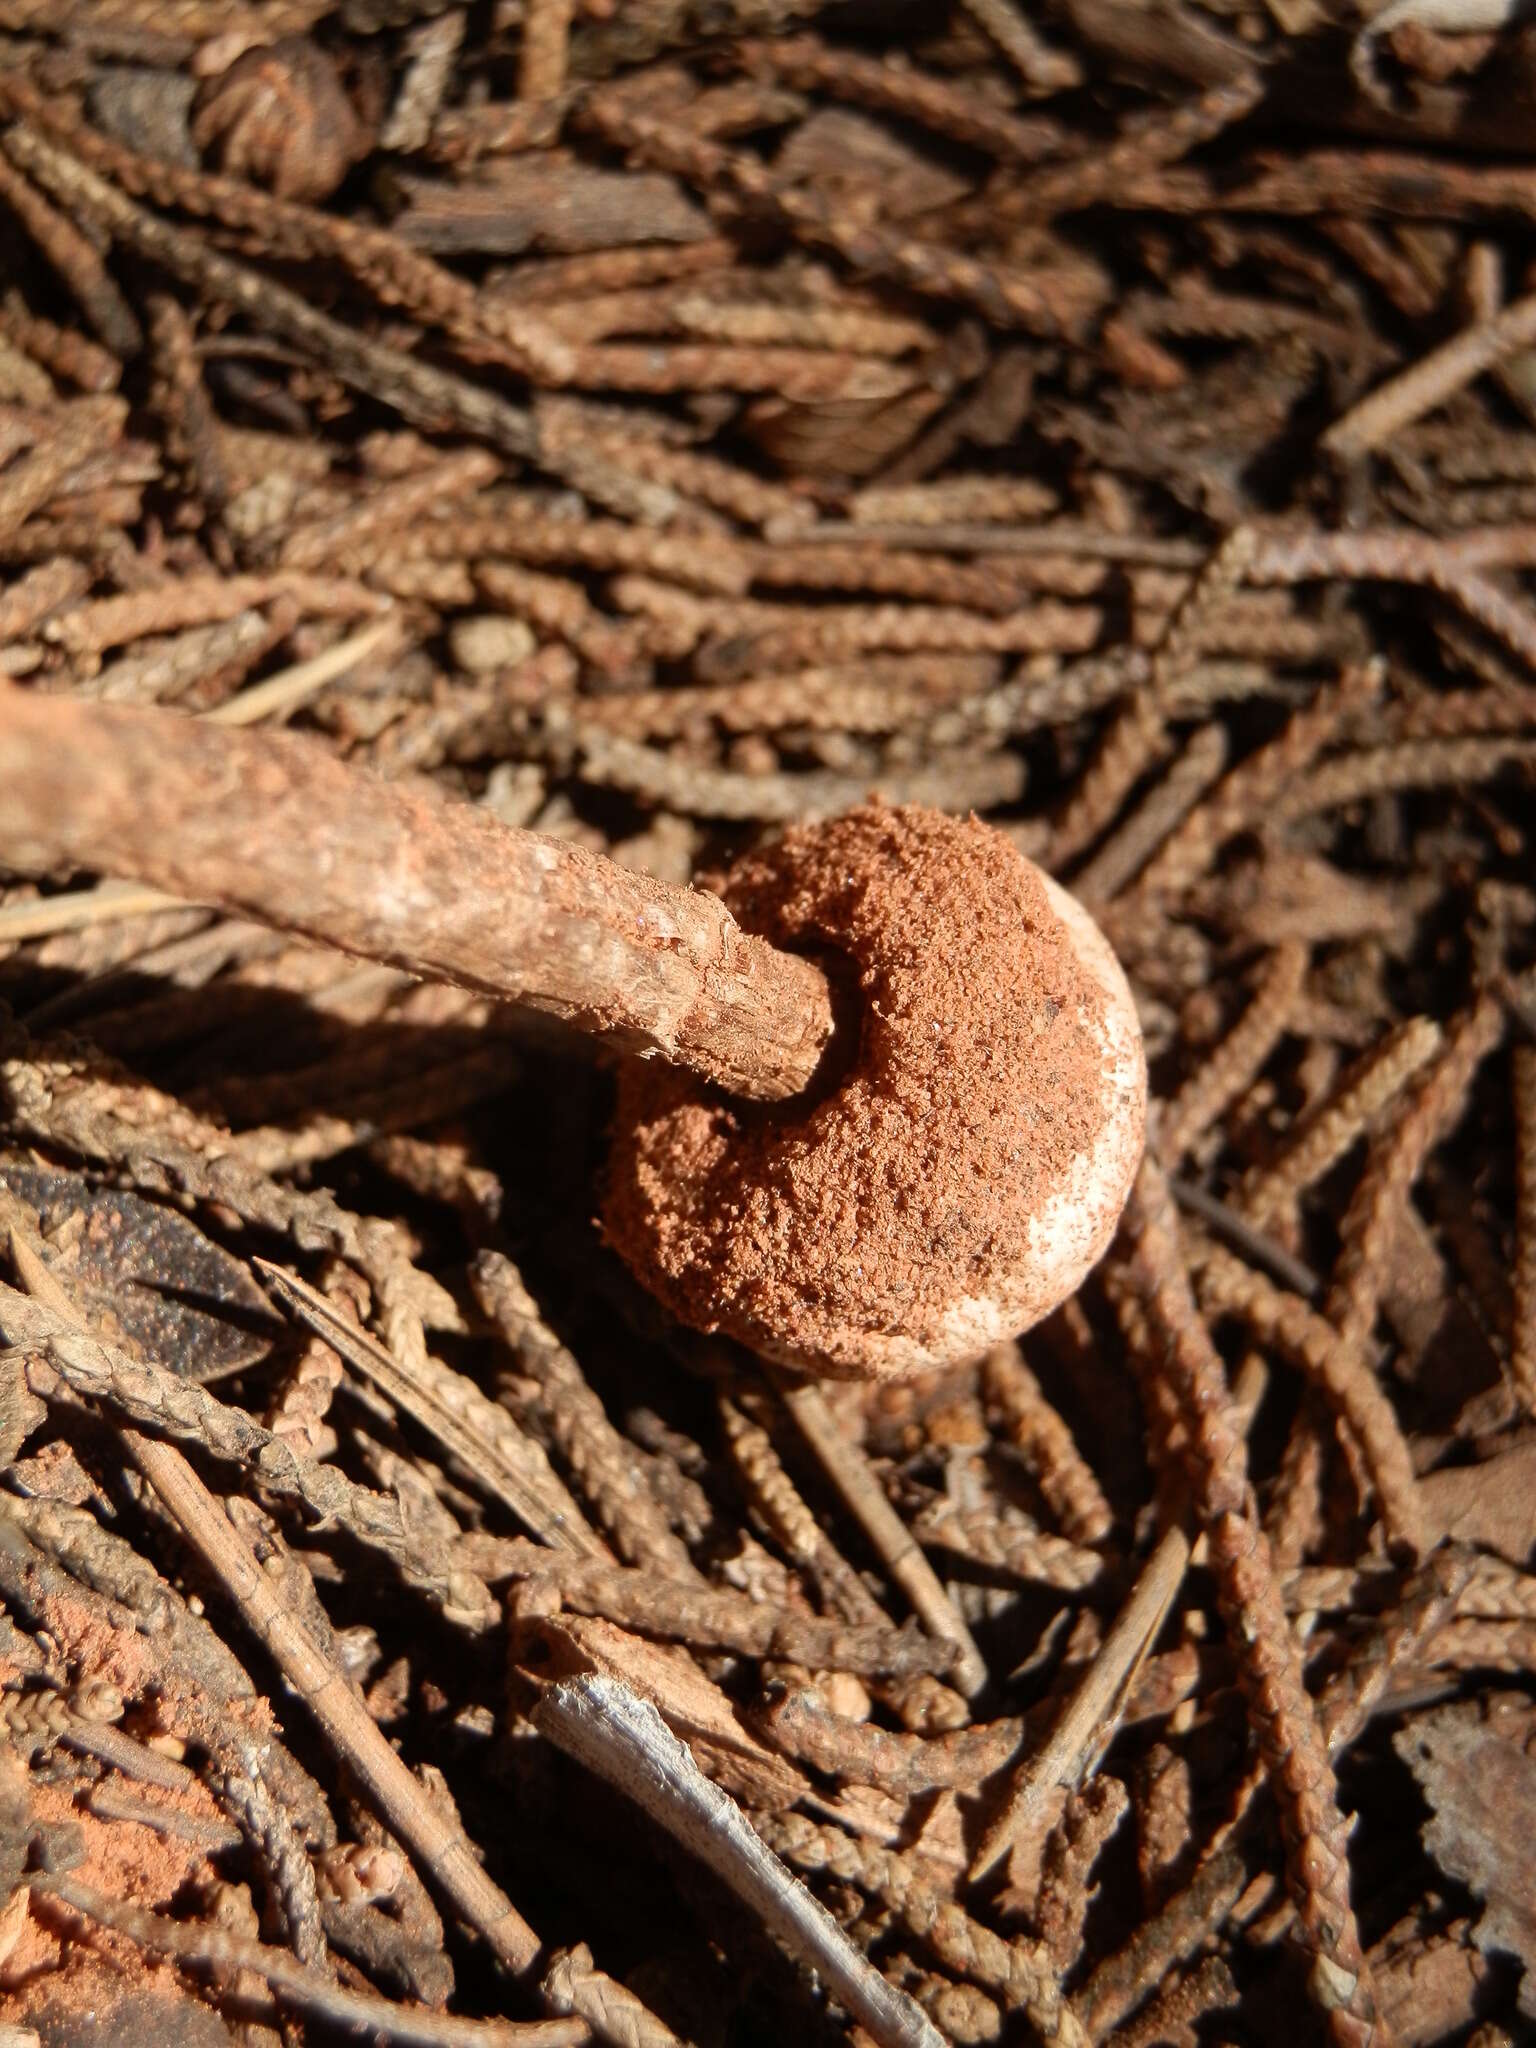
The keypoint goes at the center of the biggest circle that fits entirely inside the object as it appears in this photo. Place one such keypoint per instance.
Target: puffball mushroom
(968, 1164)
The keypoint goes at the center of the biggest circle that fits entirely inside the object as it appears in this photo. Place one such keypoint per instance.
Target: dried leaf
(548, 202)
(840, 150)
(1492, 1504)
(146, 1276)
(150, 111)
(1481, 1785)
(1161, 41)
(1427, 1982)
(119, 2011)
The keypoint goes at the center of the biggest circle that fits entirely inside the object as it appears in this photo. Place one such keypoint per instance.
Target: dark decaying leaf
(146, 1276)
(1473, 1765)
(127, 2016)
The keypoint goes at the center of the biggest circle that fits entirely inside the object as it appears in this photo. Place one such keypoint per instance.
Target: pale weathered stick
(1094, 1709)
(273, 826)
(621, 1737)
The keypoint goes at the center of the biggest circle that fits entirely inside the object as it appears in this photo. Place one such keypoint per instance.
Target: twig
(1522, 1349)
(1064, 1476)
(277, 695)
(319, 1682)
(1159, 813)
(75, 910)
(904, 1765)
(1043, 69)
(546, 33)
(601, 1461)
(1241, 798)
(1137, 736)
(685, 1611)
(1186, 1920)
(1416, 764)
(1394, 1164)
(1191, 1376)
(1171, 2014)
(343, 1719)
(482, 1436)
(1432, 380)
(160, 1400)
(421, 392)
(1091, 1817)
(790, 1520)
(277, 828)
(1316, 1147)
(108, 1801)
(77, 432)
(210, 1947)
(1224, 1074)
(1337, 1365)
(1020, 1970)
(1230, 1226)
(240, 1785)
(1088, 1722)
(76, 261)
(623, 1739)
(850, 1472)
(1123, 1980)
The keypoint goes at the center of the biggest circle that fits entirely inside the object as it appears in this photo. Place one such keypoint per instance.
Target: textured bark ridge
(968, 1168)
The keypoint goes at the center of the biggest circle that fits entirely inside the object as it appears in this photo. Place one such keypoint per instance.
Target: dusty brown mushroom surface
(940, 1186)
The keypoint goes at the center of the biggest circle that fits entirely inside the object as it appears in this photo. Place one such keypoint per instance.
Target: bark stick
(270, 825)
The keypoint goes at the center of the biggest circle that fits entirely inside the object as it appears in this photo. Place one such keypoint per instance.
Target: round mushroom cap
(962, 1158)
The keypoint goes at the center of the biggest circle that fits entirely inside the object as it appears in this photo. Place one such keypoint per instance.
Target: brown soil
(124, 1859)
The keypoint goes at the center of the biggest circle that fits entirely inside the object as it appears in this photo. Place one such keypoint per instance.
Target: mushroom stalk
(272, 826)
